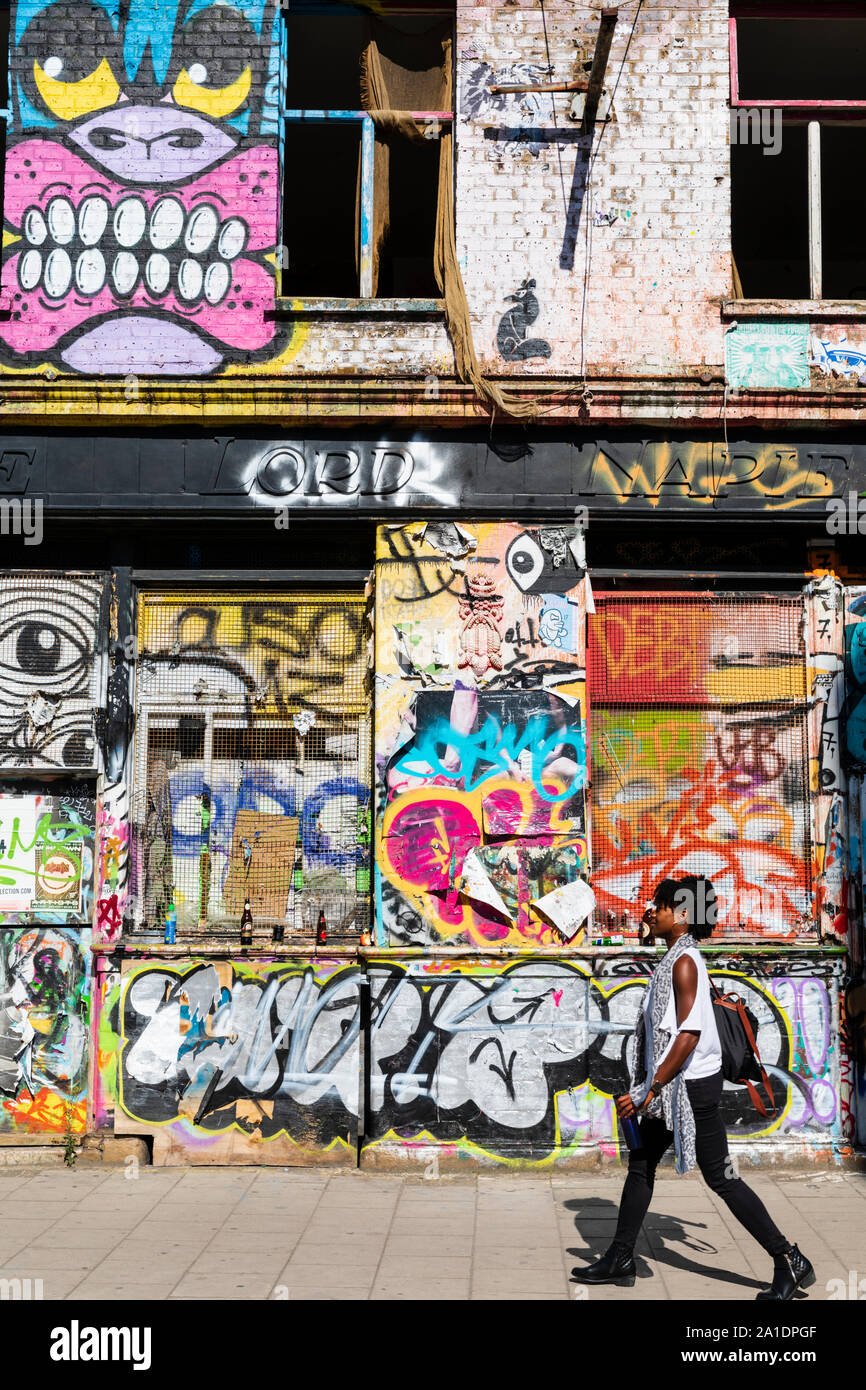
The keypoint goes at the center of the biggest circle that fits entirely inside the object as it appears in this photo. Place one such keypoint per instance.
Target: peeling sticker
(553, 540)
(449, 538)
(41, 709)
(476, 886)
(567, 907)
(304, 721)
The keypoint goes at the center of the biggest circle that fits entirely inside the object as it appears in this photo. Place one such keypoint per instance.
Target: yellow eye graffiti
(69, 100)
(211, 101)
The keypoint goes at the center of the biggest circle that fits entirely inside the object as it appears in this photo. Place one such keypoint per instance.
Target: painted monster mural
(141, 188)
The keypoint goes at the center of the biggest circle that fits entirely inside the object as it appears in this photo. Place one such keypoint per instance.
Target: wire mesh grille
(255, 769)
(700, 764)
(699, 649)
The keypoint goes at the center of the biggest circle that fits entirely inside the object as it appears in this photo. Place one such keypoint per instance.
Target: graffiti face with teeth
(142, 187)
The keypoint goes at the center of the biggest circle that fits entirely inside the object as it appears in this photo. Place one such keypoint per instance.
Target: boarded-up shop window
(253, 761)
(798, 129)
(700, 757)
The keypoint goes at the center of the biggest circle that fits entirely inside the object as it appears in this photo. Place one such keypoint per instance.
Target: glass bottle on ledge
(247, 925)
(170, 925)
(322, 930)
(278, 933)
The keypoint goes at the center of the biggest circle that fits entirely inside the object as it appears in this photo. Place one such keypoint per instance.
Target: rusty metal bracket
(581, 84)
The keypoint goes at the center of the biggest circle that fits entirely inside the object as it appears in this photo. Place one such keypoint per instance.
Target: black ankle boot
(616, 1266)
(793, 1271)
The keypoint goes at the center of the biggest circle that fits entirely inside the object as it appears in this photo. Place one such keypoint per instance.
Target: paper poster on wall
(17, 854)
(40, 865)
(768, 355)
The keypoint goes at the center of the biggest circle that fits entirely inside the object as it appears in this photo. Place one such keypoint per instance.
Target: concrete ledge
(90, 1149)
(751, 1159)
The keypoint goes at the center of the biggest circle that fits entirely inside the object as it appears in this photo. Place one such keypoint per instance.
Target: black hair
(665, 894)
(696, 894)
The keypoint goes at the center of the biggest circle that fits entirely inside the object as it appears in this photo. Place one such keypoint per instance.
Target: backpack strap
(756, 1099)
(765, 1080)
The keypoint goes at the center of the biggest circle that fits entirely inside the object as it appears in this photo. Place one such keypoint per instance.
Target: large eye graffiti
(56, 64)
(213, 77)
(524, 561)
(539, 562)
(42, 651)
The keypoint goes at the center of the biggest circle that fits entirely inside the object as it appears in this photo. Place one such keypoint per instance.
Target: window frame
(365, 302)
(789, 11)
(814, 113)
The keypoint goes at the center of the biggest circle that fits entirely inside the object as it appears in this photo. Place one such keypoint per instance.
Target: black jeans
(711, 1146)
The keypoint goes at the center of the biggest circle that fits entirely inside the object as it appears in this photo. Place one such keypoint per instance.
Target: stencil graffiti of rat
(511, 339)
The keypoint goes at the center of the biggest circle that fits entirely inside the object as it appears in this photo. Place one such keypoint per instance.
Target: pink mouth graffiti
(95, 250)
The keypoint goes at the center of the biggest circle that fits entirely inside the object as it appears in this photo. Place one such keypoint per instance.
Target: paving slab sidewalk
(307, 1233)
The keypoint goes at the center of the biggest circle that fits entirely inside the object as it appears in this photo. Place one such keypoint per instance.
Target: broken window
(798, 133)
(253, 764)
(361, 191)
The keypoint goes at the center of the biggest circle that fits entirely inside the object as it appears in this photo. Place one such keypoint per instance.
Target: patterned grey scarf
(672, 1104)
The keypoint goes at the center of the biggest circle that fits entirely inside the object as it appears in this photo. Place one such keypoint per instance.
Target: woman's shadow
(666, 1233)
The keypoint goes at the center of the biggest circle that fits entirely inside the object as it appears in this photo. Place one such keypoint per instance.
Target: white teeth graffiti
(61, 220)
(35, 230)
(130, 220)
(92, 220)
(232, 239)
(189, 279)
(216, 281)
(166, 223)
(58, 273)
(131, 228)
(90, 271)
(201, 230)
(124, 272)
(30, 270)
(157, 273)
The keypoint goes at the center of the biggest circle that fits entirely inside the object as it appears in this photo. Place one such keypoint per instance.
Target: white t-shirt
(706, 1058)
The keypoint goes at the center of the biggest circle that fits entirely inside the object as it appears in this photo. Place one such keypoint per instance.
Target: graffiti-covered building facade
(431, 517)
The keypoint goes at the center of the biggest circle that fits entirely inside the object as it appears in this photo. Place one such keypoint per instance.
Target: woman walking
(677, 1085)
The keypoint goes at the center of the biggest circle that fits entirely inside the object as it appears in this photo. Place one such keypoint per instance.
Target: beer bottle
(321, 930)
(247, 925)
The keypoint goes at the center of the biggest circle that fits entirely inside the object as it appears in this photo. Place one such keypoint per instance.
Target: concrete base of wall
(91, 1149)
(435, 1159)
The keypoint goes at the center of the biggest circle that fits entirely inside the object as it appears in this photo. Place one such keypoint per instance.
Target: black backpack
(741, 1060)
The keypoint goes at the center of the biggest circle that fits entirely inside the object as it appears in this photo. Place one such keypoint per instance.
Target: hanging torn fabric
(390, 88)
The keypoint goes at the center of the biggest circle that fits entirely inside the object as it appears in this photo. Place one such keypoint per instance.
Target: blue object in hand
(631, 1131)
